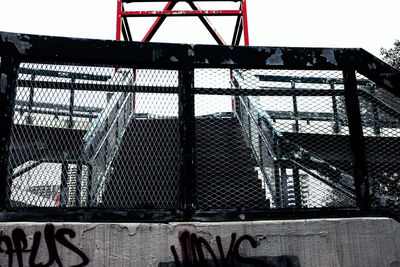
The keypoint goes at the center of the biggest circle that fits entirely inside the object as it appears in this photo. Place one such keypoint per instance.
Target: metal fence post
(277, 175)
(8, 83)
(187, 139)
(30, 103)
(295, 108)
(71, 107)
(352, 103)
(64, 182)
(336, 125)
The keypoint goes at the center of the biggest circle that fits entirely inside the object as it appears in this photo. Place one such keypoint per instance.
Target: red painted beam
(182, 13)
(119, 18)
(245, 24)
(156, 25)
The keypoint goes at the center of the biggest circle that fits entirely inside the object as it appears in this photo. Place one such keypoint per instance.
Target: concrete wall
(324, 242)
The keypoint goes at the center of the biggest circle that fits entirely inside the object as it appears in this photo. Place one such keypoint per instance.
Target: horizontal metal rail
(57, 113)
(63, 74)
(305, 79)
(181, 13)
(55, 106)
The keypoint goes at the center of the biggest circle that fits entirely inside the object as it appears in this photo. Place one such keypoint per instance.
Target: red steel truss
(240, 27)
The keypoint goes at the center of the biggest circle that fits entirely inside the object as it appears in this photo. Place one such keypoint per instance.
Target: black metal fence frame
(16, 48)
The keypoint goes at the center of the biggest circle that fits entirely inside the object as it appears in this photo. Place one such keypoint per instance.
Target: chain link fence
(287, 147)
(192, 138)
(381, 129)
(76, 146)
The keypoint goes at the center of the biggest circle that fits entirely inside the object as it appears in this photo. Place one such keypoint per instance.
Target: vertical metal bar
(277, 177)
(64, 183)
(277, 185)
(89, 185)
(187, 139)
(336, 127)
(248, 118)
(284, 188)
(261, 145)
(361, 182)
(375, 112)
(124, 31)
(119, 18)
(8, 84)
(245, 24)
(237, 33)
(295, 109)
(78, 183)
(117, 122)
(297, 187)
(71, 108)
(125, 24)
(30, 103)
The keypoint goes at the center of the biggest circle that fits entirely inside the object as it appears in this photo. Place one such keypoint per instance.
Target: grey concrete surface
(317, 242)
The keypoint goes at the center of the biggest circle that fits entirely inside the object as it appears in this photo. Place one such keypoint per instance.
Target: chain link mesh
(284, 134)
(104, 136)
(381, 129)
(80, 139)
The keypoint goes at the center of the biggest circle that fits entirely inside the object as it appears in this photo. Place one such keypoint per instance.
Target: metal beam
(157, 24)
(176, 1)
(187, 139)
(182, 13)
(237, 33)
(172, 56)
(127, 28)
(360, 174)
(8, 83)
(207, 23)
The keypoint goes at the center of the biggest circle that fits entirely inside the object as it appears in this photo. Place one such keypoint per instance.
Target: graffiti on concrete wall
(17, 245)
(192, 250)
(194, 247)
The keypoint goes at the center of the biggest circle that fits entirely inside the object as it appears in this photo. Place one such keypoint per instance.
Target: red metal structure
(240, 27)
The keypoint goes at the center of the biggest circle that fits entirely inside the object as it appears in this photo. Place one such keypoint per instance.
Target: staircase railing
(258, 126)
(102, 141)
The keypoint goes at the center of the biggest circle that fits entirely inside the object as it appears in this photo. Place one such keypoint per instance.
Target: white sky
(369, 24)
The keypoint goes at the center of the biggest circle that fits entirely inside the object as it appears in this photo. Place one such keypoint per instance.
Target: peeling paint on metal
(3, 83)
(275, 59)
(329, 54)
(388, 83)
(156, 55)
(372, 66)
(174, 59)
(230, 62)
(190, 53)
(19, 44)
